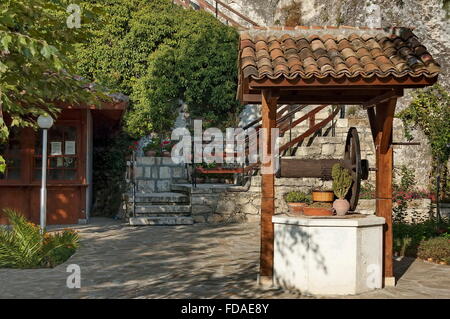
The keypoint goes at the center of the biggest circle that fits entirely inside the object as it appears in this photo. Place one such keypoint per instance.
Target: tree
(36, 66)
(157, 53)
(430, 112)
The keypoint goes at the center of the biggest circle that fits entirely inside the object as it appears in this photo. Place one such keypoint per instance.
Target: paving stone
(191, 261)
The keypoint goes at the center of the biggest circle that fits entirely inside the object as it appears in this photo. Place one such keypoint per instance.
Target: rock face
(430, 19)
(431, 23)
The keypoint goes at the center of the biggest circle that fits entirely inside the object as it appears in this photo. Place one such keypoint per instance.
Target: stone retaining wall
(156, 174)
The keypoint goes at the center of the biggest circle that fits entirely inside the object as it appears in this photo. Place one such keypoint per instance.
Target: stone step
(161, 221)
(165, 197)
(162, 209)
(330, 140)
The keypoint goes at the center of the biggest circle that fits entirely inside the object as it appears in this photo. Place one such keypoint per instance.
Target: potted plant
(296, 201)
(342, 181)
(318, 209)
(131, 149)
(166, 147)
(150, 149)
(322, 195)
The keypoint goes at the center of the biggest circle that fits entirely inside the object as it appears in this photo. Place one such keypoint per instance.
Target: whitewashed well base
(328, 256)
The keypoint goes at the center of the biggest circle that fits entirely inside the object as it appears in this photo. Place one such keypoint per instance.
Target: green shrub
(110, 152)
(297, 197)
(436, 248)
(407, 237)
(156, 53)
(23, 246)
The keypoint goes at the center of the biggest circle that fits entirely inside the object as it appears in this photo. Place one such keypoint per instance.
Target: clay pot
(150, 153)
(322, 196)
(317, 211)
(296, 208)
(166, 154)
(341, 206)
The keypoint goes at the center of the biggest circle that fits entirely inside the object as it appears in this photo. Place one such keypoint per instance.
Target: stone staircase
(155, 202)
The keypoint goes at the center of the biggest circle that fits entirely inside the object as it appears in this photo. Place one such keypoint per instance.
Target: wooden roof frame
(377, 95)
(359, 90)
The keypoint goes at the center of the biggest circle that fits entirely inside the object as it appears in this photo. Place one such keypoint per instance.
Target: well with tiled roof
(329, 65)
(382, 57)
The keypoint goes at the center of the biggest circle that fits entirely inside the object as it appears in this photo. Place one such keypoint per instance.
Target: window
(11, 151)
(61, 151)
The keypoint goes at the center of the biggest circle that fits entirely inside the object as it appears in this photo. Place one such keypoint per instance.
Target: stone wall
(156, 174)
(418, 210)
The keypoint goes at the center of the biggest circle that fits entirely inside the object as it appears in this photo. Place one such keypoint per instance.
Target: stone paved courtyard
(199, 261)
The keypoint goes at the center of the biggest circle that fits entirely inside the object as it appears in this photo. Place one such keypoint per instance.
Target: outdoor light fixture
(44, 122)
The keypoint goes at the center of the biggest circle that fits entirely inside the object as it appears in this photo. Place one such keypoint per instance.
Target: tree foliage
(35, 63)
(157, 53)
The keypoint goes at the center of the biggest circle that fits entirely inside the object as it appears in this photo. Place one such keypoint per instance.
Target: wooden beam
(384, 163)
(269, 105)
(387, 82)
(383, 98)
(312, 98)
(373, 123)
(385, 120)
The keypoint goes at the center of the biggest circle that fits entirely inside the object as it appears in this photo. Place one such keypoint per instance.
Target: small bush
(298, 197)
(436, 248)
(23, 246)
(407, 237)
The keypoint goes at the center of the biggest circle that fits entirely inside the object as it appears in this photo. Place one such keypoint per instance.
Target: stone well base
(328, 256)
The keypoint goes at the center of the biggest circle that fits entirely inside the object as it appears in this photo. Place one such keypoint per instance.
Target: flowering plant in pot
(166, 147)
(296, 201)
(342, 181)
(151, 148)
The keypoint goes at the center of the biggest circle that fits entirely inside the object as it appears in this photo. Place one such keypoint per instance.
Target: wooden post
(384, 161)
(269, 107)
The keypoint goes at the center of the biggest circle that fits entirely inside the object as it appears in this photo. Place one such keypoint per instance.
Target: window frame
(79, 155)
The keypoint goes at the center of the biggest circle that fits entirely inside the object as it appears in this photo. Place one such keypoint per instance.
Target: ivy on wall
(109, 165)
(430, 112)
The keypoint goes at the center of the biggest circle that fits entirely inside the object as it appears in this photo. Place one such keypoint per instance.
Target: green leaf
(5, 41)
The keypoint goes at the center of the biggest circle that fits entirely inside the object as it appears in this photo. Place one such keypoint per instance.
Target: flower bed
(24, 246)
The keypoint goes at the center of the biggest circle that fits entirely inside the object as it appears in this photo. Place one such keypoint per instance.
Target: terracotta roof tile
(330, 51)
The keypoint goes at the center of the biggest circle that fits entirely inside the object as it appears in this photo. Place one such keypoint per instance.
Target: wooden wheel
(352, 156)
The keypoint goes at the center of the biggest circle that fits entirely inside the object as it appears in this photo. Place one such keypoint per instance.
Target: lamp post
(44, 122)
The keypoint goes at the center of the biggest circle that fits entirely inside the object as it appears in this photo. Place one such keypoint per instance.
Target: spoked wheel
(352, 157)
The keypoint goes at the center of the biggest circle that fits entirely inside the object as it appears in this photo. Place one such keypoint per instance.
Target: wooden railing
(215, 10)
(312, 129)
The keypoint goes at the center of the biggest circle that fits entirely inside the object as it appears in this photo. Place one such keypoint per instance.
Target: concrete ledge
(330, 221)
